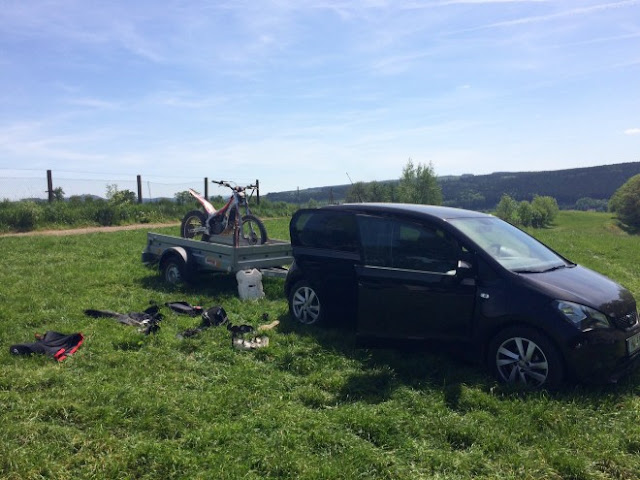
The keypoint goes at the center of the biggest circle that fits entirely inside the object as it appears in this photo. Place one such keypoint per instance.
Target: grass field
(311, 405)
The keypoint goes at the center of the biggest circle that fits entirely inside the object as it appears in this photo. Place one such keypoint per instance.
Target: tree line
(419, 184)
(587, 188)
(120, 207)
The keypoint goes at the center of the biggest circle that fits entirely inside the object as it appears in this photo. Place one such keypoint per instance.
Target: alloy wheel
(306, 305)
(520, 360)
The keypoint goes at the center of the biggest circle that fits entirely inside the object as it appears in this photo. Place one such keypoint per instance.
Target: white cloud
(632, 131)
(94, 103)
(588, 10)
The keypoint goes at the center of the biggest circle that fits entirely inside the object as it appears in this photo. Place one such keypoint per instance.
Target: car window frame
(326, 250)
(424, 224)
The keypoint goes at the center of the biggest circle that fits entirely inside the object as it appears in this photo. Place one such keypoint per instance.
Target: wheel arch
(294, 275)
(490, 333)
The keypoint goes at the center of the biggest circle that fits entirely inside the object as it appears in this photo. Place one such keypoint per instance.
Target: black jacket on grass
(55, 344)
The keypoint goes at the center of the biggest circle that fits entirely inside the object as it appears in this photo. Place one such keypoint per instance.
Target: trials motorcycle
(246, 227)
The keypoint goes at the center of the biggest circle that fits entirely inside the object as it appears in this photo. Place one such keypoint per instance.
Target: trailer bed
(217, 255)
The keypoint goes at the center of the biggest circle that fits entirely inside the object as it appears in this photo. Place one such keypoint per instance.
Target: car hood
(581, 285)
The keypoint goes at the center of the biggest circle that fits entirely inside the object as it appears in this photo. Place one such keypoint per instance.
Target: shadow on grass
(209, 284)
(384, 366)
(201, 284)
(387, 365)
(628, 229)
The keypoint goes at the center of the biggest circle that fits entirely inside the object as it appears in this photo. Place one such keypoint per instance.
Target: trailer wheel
(174, 270)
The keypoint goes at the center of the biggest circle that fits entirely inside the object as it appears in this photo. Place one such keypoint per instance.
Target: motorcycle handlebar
(227, 184)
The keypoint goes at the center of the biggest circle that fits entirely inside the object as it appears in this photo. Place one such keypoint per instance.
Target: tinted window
(394, 243)
(326, 230)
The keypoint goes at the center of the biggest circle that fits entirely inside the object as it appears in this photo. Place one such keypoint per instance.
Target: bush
(548, 206)
(507, 208)
(26, 216)
(525, 213)
(625, 202)
(80, 211)
(107, 215)
(588, 203)
(541, 212)
(60, 213)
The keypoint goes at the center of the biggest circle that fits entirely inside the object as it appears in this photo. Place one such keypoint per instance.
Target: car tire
(304, 303)
(525, 358)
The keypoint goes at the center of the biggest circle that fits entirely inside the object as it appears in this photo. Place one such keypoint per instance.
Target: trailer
(180, 259)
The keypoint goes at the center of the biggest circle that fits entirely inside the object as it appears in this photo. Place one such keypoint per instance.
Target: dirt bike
(247, 228)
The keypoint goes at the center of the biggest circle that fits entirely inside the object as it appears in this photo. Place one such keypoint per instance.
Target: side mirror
(464, 265)
(466, 272)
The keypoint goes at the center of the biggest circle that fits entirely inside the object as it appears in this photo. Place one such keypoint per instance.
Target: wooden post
(206, 188)
(50, 186)
(139, 178)
(257, 191)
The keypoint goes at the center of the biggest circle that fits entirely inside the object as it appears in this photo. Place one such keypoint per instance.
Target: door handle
(416, 288)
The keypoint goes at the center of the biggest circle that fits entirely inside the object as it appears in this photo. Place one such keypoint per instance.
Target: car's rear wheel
(526, 358)
(304, 303)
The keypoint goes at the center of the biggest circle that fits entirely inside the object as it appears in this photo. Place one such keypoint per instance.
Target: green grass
(311, 405)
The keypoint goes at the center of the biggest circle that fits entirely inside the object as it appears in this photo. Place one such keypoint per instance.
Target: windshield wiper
(551, 269)
(557, 267)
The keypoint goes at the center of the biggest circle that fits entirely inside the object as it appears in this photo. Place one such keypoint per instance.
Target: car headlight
(583, 317)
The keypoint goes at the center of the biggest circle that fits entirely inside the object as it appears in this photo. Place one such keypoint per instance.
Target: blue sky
(299, 93)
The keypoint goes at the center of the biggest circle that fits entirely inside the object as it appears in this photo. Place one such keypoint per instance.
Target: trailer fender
(174, 251)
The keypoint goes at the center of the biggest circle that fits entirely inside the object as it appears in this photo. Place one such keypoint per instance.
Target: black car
(427, 272)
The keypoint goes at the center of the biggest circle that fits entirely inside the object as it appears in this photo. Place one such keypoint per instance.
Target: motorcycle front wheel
(194, 226)
(252, 230)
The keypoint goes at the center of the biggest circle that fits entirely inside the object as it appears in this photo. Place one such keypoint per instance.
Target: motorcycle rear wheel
(194, 226)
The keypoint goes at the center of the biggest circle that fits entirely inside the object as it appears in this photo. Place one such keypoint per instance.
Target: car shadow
(387, 365)
(383, 366)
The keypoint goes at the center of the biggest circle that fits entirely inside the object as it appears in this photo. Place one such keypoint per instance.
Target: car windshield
(511, 247)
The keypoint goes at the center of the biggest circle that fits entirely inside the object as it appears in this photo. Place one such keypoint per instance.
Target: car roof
(433, 211)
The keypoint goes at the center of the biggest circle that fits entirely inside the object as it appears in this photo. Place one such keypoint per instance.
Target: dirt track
(80, 231)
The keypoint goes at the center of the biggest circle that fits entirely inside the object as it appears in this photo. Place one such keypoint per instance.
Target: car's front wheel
(304, 303)
(524, 357)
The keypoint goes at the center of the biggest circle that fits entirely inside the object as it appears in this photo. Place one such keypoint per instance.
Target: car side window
(326, 230)
(407, 245)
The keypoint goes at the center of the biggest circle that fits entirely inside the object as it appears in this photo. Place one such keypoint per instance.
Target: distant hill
(336, 193)
(482, 192)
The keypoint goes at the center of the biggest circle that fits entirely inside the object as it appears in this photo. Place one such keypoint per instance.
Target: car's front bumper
(602, 356)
